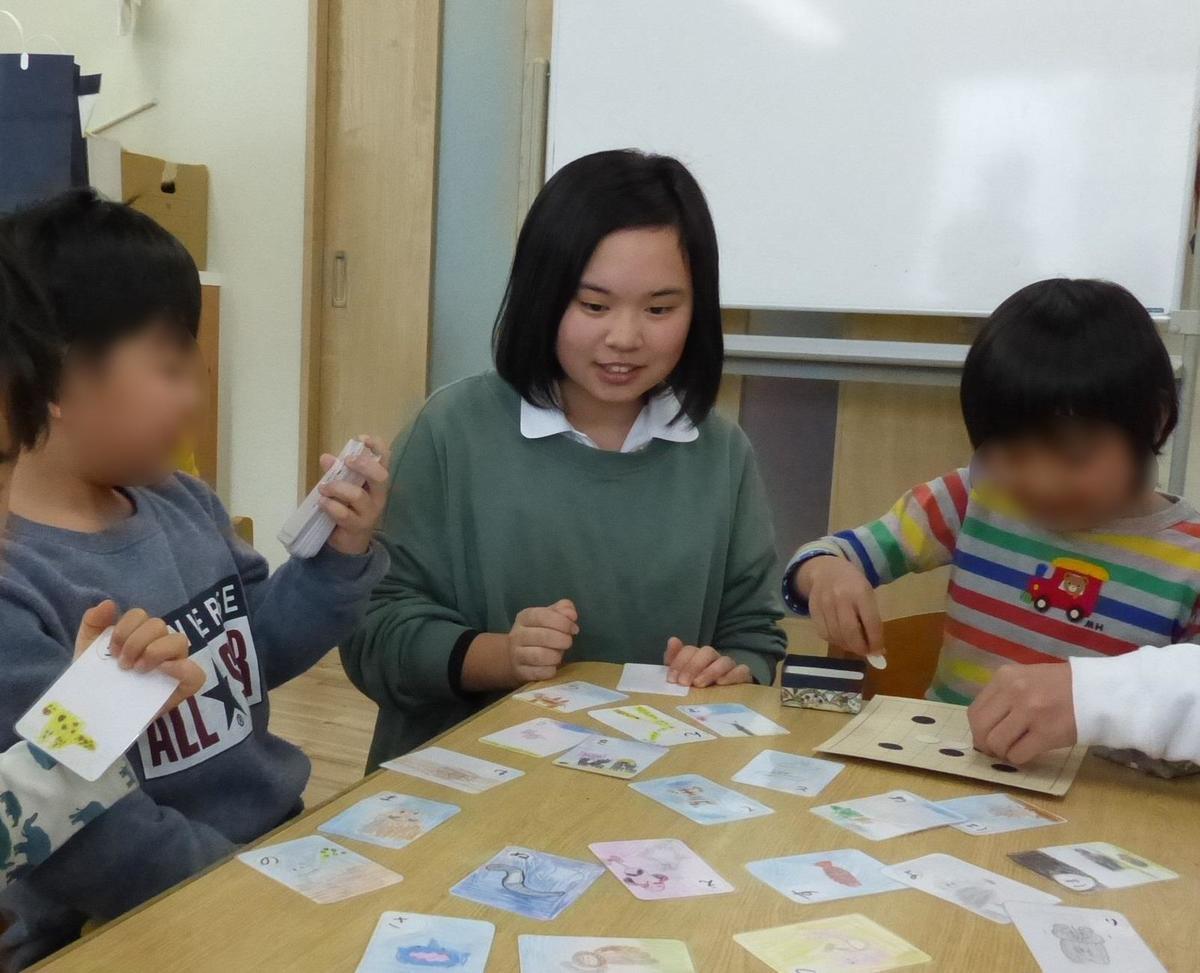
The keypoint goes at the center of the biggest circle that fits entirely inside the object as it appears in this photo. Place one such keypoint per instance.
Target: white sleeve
(1147, 700)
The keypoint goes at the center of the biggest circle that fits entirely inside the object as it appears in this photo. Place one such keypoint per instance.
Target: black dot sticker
(924, 720)
(1005, 768)
(950, 752)
(891, 746)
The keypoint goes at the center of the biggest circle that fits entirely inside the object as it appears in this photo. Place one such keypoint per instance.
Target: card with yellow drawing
(95, 711)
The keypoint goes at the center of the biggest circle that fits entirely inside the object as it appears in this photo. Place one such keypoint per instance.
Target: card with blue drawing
(568, 697)
(789, 773)
(649, 725)
(389, 819)
(612, 756)
(529, 883)
(410, 941)
(964, 884)
(541, 954)
(824, 876)
(700, 799)
(319, 869)
(887, 815)
(733, 720)
(998, 814)
(541, 737)
(660, 868)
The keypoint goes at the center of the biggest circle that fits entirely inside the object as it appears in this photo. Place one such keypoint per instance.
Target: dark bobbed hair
(106, 270)
(1066, 350)
(583, 203)
(28, 360)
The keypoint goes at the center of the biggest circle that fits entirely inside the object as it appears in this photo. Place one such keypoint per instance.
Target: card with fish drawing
(410, 941)
(389, 819)
(529, 883)
(612, 756)
(824, 876)
(660, 868)
(540, 954)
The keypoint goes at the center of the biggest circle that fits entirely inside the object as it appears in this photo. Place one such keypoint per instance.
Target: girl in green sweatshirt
(582, 502)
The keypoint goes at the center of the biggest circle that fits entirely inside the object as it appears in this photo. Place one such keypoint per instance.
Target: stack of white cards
(307, 530)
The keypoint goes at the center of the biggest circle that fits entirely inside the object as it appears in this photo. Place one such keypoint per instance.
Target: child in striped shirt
(1060, 546)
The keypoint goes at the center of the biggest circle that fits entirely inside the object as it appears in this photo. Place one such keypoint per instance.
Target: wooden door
(372, 183)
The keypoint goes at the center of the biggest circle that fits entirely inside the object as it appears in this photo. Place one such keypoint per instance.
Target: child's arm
(1148, 700)
(832, 579)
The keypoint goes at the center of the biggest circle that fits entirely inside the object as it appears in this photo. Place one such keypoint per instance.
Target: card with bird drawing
(530, 883)
(410, 941)
(95, 710)
(824, 876)
(660, 868)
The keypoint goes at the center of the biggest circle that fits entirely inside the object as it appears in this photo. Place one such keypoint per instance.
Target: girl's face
(625, 329)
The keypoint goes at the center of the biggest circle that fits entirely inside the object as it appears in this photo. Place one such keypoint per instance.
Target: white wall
(230, 77)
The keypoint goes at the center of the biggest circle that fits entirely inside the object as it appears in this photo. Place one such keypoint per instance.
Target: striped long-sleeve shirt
(1021, 594)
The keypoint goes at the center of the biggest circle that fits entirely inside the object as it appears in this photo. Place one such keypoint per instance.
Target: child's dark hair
(1062, 350)
(107, 271)
(583, 203)
(28, 360)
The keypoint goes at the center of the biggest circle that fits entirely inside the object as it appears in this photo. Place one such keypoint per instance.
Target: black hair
(107, 271)
(28, 360)
(1063, 350)
(583, 203)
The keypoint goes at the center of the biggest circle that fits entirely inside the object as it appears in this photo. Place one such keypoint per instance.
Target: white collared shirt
(653, 422)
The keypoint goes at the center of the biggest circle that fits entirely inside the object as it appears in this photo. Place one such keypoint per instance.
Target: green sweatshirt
(481, 523)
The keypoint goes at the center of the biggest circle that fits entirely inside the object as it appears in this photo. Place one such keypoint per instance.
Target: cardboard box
(174, 195)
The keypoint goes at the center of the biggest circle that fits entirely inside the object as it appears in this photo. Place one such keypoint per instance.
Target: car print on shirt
(1068, 584)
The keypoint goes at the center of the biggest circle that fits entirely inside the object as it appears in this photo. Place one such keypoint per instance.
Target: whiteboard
(906, 155)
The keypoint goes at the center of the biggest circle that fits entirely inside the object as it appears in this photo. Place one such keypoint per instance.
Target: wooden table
(233, 919)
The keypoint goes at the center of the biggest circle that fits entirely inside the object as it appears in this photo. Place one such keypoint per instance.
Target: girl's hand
(143, 643)
(539, 639)
(841, 604)
(690, 665)
(356, 510)
(1025, 711)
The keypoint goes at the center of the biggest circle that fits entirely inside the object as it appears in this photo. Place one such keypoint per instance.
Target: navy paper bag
(40, 139)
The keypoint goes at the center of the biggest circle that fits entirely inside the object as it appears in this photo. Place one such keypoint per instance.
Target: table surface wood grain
(231, 918)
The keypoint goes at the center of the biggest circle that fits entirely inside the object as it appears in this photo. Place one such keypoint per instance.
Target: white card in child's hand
(410, 941)
(887, 815)
(441, 766)
(95, 710)
(319, 869)
(1064, 939)
(538, 738)
(961, 883)
(639, 678)
(567, 697)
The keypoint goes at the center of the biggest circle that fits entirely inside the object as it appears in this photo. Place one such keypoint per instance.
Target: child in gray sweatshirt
(97, 513)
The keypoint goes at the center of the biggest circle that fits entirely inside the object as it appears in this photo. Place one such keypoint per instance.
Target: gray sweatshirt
(211, 774)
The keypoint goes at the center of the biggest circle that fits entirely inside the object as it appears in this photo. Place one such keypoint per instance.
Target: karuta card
(539, 738)
(639, 678)
(1064, 939)
(841, 943)
(410, 941)
(824, 876)
(95, 711)
(441, 766)
(789, 773)
(542, 954)
(733, 720)
(529, 883)
(1112, 867)
(319, 869)
(612, 756)
(389, 819)
(568, 697)
(998, 814)
(887, 815)
(961, 883)
(647, 724)
(660, 868)
(700, 799)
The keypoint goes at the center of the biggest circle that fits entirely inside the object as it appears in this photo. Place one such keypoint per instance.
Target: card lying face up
(95, 711)
(824, 876)
(529, 883)
(389, 819)
(612, 757)
(701, 800)
(319, 869)
(851, 942)
(649, 725)
(540, 954)
(1108, 865)
(538, 738)
(733, 720)
(887, 815)
(409, 941)
(441, 766)
(961, 883)
(660, 868)
(819, 682)
(567, 697)
(1064, 939)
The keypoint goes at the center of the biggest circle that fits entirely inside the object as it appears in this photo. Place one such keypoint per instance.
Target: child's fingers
(849, 630)
(339, 512)
(370, 467)
(735, 676)
(714, 672)
(95, 620)
(169, 648)
(537, 673)
(327, 460)
(126, 626)
(191, 681)
(346, 493)
(549, 638)
(139, 641)
(872, 624)
(673, 646)
(700, 660)
(539, 655)
(548, 618)
(1007, 732)
(988, 709)
(1032, 744)
(565, 606)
